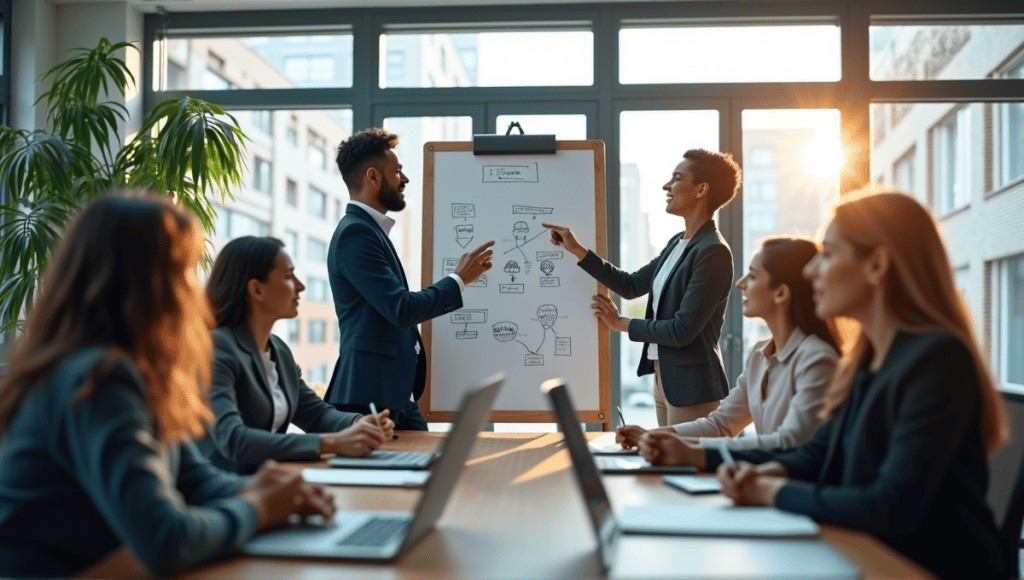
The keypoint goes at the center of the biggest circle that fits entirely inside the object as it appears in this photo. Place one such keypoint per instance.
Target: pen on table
(726, 456)
(621, 417)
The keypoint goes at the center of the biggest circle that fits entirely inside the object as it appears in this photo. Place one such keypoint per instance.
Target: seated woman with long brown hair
(257, 389)
(912, 408)
(782, 388)
(103, 391)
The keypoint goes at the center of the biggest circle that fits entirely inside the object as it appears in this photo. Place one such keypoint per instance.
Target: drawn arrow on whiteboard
(464, 234)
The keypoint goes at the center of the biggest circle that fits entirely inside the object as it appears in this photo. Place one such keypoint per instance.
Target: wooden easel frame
(602, 415)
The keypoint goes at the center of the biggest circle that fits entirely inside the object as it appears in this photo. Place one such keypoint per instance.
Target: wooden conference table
(517, 513)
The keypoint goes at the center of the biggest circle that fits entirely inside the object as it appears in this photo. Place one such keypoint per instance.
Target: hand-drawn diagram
(547, 315)
(511, 173)
(467, 317)
(464, 234)
(547, 267)
(449, 265)
(531, 210)
(512, 268)
(463, 210)
(520, 232)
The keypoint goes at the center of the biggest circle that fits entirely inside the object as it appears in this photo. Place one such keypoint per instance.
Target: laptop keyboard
(376, 532)
(404, 457)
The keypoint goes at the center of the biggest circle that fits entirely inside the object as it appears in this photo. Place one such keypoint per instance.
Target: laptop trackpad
(372, 535)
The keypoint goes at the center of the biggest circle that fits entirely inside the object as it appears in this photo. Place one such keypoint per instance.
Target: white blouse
(786, 416)
(276, 392)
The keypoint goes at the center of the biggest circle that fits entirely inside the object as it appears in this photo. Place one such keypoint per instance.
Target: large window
(935, 111)
(317, 203)
(782, 53)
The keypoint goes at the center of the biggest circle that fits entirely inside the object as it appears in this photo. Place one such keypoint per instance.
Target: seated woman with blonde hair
(104, 389)
(257, 386)
(912, 408)
(783, 384)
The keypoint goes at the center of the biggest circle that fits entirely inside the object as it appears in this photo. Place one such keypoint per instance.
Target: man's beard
(390, 198)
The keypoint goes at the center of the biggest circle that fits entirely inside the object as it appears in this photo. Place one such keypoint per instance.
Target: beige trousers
(669, 415)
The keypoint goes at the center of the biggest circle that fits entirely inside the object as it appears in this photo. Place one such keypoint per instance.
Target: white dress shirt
(658, 284)
(795, 380)
(276, 392)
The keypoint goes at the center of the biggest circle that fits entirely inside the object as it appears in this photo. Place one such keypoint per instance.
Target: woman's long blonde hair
(919, 292)
(123, 277)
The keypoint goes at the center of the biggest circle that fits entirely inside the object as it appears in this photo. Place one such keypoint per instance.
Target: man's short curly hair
(359, 151)
(719, 171)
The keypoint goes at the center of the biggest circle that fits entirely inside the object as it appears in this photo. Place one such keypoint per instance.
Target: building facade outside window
(291, 193)
(951, 140)
(317, 150)
(317, 332)
(1010, 316)
(316, 250)
(317, 203)
(317, 290)
(292, 333)
(262, 178)
(291, 243)
(903, 172)
(1011, 129)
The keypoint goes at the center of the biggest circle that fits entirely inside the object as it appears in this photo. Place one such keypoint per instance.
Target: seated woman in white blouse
(786, 375)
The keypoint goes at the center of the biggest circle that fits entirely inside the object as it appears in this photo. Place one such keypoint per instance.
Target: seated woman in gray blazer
(782, 388)
(912, 408)
(102, 393)
(257, 387)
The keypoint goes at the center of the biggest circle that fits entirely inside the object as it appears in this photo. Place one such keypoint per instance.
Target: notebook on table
(747, 522)
(618, 464)
(606, 445)
(383, 535)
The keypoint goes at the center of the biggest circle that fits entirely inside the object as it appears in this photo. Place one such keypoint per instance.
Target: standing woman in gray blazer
(257, 387)
(689, 285)
(103, 391)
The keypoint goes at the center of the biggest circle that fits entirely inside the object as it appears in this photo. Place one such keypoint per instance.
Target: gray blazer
(690, 315)
(80, 478)
(240, 439)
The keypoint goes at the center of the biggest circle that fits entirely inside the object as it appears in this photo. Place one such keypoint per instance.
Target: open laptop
(383, 535)
(587, 476)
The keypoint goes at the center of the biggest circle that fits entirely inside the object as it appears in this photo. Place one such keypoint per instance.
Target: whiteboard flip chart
(530, 315)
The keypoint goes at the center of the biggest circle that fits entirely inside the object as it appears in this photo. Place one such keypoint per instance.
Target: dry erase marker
(373, 411)
(621, 418)
(726, 456)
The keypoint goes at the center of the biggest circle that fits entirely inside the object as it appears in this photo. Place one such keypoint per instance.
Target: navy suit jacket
(377, 316)
(691, 312)
(916, 472)
(240, 439)
(80, 478)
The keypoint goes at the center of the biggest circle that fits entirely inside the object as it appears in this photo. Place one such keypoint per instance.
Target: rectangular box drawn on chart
(463, 210)
(534, 360)
(511, 288)
(464, 334)
(546, 282)
(510, 173)
(465, 316)
(552, 255)
(563, 346)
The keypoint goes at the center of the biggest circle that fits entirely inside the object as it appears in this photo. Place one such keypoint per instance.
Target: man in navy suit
(381, 357)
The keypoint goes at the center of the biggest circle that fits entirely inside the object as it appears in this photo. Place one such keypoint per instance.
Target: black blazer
(377, 316)
(240, 438)
(691, 311)
(80, 478)
(917, 473)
